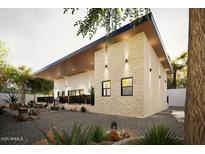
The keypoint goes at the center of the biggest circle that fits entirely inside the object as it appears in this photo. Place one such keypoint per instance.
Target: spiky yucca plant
(78, 136)
(11, 98)
(159, 135)
(98, 134)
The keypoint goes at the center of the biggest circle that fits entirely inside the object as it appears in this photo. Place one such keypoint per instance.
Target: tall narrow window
(73, 92)
(127, 86)
(81, 91)
(58, 93)
(63, 93)
(77, 92)
(106, 88)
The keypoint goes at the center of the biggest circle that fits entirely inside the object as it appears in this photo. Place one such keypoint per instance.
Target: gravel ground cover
(29, 132)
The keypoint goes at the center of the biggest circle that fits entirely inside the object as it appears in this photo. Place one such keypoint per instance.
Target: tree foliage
(39, 85)
(7, 73)
(108, 18)
(179, 78)
(6, 70)
(3, 52)
(21, 79)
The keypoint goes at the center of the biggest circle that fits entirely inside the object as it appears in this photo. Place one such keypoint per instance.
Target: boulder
(113, 135)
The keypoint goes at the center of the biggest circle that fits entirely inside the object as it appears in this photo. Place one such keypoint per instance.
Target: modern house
(129, 79)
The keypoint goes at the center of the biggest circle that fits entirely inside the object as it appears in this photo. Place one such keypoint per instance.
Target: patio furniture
(22, 110)
(55, 108)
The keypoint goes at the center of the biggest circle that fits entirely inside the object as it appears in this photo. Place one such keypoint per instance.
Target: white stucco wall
(79, 81)
(154, 86)
(28, 97)
(176, 97)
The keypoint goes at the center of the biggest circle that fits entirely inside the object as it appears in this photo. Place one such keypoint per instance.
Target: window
(58, 93)
(106, 88)
(72, 93)
(127, 86)
(81, 91)
(76, 92)
(63, 93)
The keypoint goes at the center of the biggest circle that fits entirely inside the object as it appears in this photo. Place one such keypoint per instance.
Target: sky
(38, 37)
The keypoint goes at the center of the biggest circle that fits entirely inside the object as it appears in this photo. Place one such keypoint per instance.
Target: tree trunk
(195, 96)
(23, 95)
(174, 84)
(34, 96)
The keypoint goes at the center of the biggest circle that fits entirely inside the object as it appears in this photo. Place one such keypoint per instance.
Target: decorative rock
(126, 133)
(114, 135)
(32, 117)
(127, 140)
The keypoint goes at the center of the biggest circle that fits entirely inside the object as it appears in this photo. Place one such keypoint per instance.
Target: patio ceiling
(82, 60)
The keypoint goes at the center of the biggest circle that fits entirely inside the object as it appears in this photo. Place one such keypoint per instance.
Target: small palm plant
(78, 136)
(159, 135)
(12, 98)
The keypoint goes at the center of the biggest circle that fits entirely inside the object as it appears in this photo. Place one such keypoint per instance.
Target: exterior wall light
(114, 125)
(105, 66)
(126, 60)
(65, 85)
(150, 70)
(160, 76)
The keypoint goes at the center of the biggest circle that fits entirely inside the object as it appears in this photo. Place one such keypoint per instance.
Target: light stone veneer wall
(79, 81)
(133, 50)
(149, 92)
(154, 86)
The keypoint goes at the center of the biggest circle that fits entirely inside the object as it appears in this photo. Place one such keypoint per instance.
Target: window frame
(126, 86)
(80, 92)
(58, 93)
(106, 89)
(72, 91)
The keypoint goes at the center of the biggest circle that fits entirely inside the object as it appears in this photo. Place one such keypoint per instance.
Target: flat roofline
(125, 28)
(158, 33)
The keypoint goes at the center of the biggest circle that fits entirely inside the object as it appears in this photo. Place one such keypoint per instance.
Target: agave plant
(78, 136)
(12, 98)
(159, 135)
(98, 134)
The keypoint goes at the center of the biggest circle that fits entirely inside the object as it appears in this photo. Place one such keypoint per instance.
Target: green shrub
(82, 109)
(34, 112)
(12, 98)
(78, 136)
(98, 134)
(159, 135)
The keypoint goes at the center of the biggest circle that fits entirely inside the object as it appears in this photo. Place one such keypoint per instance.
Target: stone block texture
(149, 87)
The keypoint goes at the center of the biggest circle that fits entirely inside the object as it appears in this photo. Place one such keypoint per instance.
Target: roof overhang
(82, 60)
